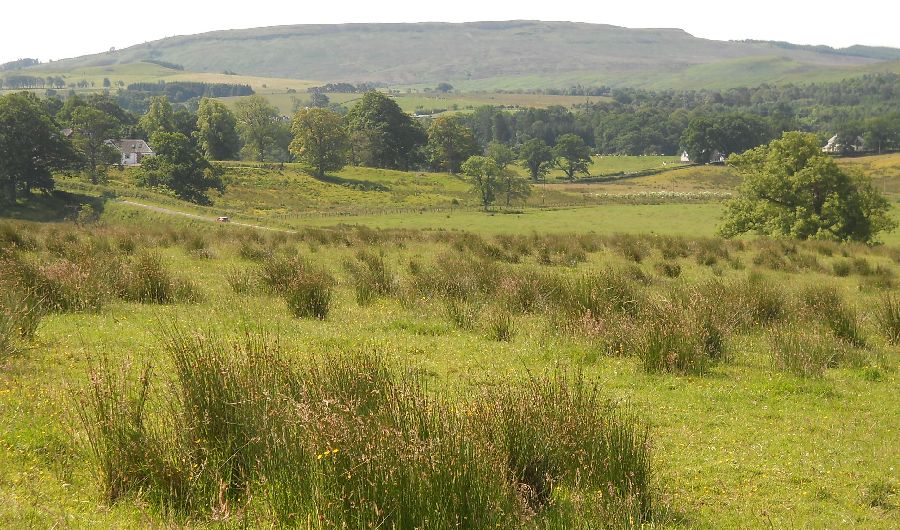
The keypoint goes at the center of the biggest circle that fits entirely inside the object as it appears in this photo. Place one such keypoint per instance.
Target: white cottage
(132, 151)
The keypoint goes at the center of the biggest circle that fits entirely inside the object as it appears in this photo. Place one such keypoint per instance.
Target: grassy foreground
(189, 374)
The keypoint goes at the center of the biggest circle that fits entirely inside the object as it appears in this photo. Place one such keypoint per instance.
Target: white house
(835, 146)
(716, 158)
(132, 151)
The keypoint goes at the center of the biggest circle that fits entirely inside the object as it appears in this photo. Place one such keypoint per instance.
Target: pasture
(388, 356)
(764, 371)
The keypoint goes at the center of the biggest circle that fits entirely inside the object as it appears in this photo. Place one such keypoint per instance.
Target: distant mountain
(512, 54)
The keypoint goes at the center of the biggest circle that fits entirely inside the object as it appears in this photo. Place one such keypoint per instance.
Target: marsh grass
(805, 352)
(887, 315)
(350, 441)
(147, 279)
(826, 304)
(371, 276)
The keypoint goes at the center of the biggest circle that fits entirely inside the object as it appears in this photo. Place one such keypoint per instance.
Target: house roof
(128, 146)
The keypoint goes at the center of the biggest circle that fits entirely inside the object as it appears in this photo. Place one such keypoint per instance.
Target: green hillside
(489, 55)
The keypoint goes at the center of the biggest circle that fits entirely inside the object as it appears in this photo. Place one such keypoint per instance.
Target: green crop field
(375, 353)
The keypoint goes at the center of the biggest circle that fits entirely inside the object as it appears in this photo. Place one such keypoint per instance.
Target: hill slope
(521, 54)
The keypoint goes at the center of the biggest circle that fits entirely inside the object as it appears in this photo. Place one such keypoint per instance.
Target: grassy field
(390, 359)
(777, 411)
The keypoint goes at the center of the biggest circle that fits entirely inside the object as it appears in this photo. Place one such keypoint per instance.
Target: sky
(54, 29)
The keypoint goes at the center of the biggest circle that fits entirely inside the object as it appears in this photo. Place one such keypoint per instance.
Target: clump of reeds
(826, 304)
(805, 352)
(371, 276)
(348, 440)
(148, 280)
(887, 315)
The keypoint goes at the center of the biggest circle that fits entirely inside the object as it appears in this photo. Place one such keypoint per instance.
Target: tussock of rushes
(500, 326)
(680, 340)
(805, 352)
(20, 315)
(557, 432)
(146, 279)
(462, 314)
(887, 314)
(241, 281)
(825, 303)
(371, 277)
(348, 441)
(63, 285)
(307, 290)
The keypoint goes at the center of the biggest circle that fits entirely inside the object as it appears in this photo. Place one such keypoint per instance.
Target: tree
(449, 143)
(790, 188)
(31, 146)
(572, 155)
(159, 117)
(387, 136)
(725, 134)
(90, 130)
(537, 157)
(217, 131)
(444, 87)
(882, 133)
(259, 128)
(320, 140)
(179, 166)
(502, 154)
(483, 173)
(319, 100)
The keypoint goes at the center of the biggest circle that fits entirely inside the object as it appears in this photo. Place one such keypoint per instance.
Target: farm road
(168, 211)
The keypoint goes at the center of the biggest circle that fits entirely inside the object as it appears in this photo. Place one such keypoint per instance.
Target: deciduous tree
(320, 140)
(259, 128)
(90, 130)
(572, 155)
(31, 146)
(389, 137)
(483, 174)
(450, 143)
(790, 188)
(217, 131)
(537, 157)
(179, 166)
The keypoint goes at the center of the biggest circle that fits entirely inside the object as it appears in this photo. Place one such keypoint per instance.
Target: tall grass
(805, 352)
(887, 315)
(146, 279)
(349, 441)
(306, 289)
(371, 276)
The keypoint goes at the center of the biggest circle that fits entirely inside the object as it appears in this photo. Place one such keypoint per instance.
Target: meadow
(383, 356)
(175, 372)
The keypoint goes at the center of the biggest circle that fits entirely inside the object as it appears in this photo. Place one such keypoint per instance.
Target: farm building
(132, 151)
(716, 158)
(834, 145)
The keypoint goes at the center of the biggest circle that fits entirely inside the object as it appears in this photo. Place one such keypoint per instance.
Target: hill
(491, 55)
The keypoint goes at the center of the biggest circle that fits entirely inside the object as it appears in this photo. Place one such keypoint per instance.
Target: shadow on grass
(52, 207)
(362, 185)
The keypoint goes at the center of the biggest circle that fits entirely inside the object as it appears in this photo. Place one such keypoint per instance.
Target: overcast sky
(53, 29)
